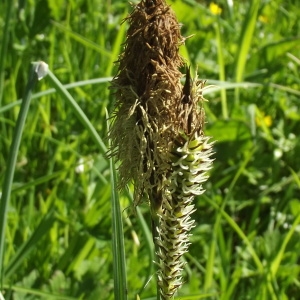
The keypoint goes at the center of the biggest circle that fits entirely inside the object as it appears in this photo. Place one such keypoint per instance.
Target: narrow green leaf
(34, 76)
(118, 248)
(239, 231)
(42, 229)
(147, 234)
(119, 267)
(84, 41)
(276, 262)
(221, 63)
(44, 295)
(4, 44)
(52, 91)
(245, 40)
(116, 48)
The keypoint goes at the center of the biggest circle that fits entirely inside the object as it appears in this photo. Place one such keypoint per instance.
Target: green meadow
(62, 213)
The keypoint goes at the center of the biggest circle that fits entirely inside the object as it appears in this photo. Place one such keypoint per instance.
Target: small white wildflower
(80, 166)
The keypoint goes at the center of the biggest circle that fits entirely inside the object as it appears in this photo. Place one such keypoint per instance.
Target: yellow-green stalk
(157, 133)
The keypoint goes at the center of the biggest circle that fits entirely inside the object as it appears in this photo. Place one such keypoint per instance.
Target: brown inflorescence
(157, 133)
(147, 89)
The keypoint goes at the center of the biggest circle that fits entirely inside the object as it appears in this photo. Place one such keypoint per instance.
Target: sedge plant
(158, 134)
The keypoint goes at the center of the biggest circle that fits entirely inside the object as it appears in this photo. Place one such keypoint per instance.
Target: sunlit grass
(59, 224)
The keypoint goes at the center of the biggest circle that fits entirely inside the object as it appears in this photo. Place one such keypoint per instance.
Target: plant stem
(222, 76)
(12, 158)
(155, 235)
(118, 248)
(4, 43)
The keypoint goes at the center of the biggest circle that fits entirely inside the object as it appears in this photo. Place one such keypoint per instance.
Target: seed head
(158, 133)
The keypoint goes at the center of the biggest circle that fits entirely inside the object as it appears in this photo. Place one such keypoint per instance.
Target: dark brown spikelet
(147, 89)
(157, 133)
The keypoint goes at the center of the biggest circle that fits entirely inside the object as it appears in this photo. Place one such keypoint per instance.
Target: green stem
(156, 249)
(118, 247)
(155, 236)
(245, 40)
(12, 158)
(241, 234)
(52, 91)
(222, 75)
(211, 257)
(4, 43)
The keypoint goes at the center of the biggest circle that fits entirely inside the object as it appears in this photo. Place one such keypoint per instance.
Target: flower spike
(158, 133)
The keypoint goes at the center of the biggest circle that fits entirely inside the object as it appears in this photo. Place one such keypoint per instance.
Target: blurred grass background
(58, 238)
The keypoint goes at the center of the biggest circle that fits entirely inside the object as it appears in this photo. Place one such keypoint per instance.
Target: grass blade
(84, 41)
(276, 262)
(4, 43)
(221, 69)
(119, 268)
(44, 226)
(245, 39)
(51, 91)
(43, 295)
(11, 162)
(245, 43)
(240, 232)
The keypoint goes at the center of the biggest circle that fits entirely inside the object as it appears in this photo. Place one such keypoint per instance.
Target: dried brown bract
(148, 92)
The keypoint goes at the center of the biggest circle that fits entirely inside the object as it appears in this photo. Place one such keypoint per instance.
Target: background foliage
(58, 237)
